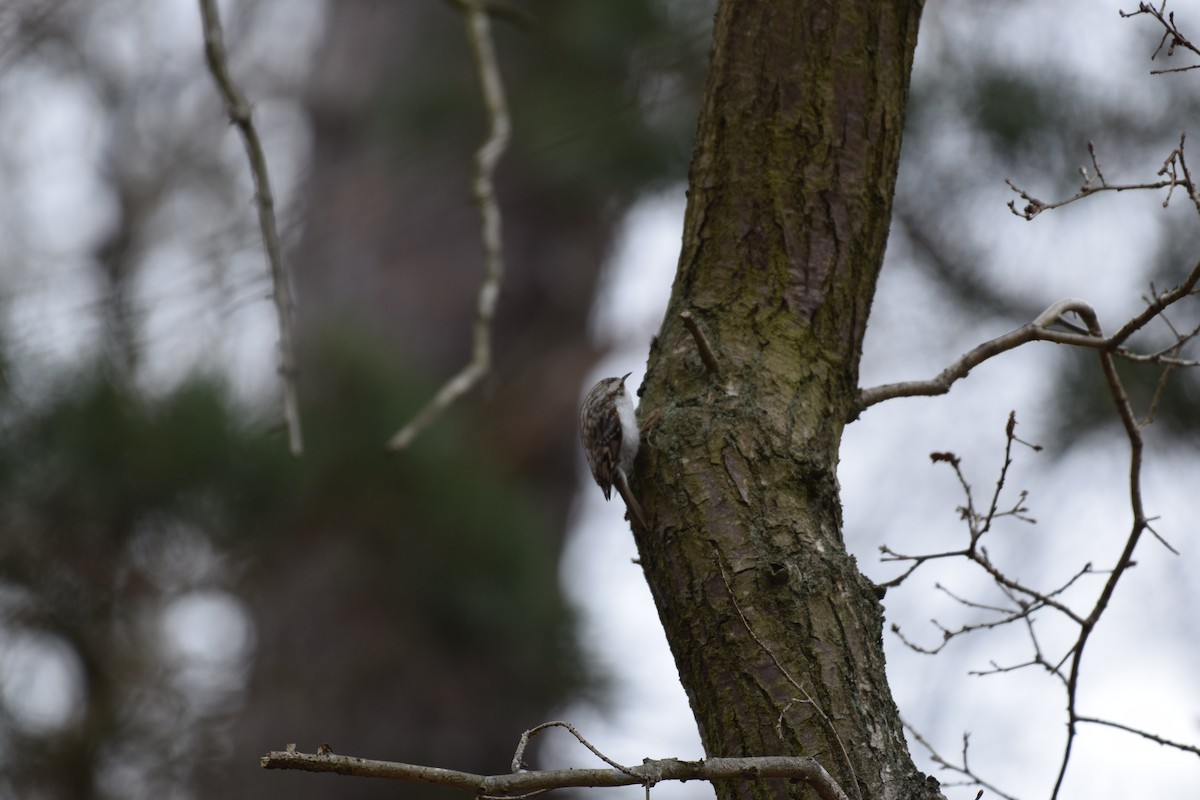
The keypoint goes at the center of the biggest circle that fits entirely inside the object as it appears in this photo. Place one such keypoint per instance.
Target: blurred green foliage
(430, 553)
(603, 96)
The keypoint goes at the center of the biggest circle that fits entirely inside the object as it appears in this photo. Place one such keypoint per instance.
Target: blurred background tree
(176, 594)
(200, 598)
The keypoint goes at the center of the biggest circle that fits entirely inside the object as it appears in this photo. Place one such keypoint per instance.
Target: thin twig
(1173, 167)
(1187, 748)
(1038, 330)
(963, 769)
(240, 115)
(706, 352)
(479, 34)
(649, 772)
(1172, 37)
(1028, 600)
(1033, 206)
(518, 760)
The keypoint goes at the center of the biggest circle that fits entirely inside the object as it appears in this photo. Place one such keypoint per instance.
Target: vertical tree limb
(240, 115)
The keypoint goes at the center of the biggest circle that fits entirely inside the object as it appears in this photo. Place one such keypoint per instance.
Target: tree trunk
(777, 636)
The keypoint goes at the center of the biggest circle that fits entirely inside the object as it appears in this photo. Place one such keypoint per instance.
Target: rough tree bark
(776, 634)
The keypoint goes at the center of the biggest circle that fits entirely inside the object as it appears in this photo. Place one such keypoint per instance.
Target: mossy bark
(777, 635)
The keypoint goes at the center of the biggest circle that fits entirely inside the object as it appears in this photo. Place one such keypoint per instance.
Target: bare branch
(1139, 525)
(964, 769)
(1188, 748)
(1039, 330)
(1174, 169)
(1038, 660)
(518, 761)
(648, 773)
(1034, 206)
(1026, 599)
(917, 561)
(1172, 36)
(1018, 510)
(1153, 310)
(240, 115)
(479, 34)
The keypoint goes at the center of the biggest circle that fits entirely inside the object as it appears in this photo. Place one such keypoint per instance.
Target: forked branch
(648, 773)
(964, 768)
(1051, 325)
(1040, 330)
(1172, 37)
(1174, 172)
(1022, 602)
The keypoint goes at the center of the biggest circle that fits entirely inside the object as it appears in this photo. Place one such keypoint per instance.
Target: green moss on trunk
(776, 634)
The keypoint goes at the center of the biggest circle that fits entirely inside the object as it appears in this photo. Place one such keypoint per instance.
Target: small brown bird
(609, 432)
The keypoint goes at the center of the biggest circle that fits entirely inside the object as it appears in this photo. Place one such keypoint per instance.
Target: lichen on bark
(776, 634)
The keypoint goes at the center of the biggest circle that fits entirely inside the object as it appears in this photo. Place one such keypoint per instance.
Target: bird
(609, 432)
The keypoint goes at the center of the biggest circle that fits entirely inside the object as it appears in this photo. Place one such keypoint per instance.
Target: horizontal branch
(648, 773)
(1174, 170)
(1037, 330)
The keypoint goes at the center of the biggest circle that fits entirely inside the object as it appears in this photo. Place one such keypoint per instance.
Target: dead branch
(241, 116)
(964, 769)
(479, 34)
(1040, 330)
(1187, 748)
(1024, 600)
(518, 760)
(1172, 37)
(1140, 525)
(1174, 169)
(648, 773)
